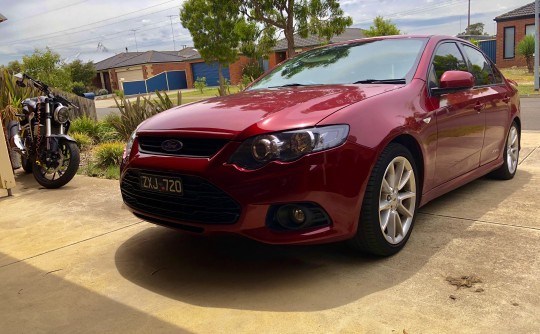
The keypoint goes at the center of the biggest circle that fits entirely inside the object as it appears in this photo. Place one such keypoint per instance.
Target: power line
(70, 30)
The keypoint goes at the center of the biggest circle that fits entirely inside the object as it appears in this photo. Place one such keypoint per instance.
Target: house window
(509, 42)
(529, 29)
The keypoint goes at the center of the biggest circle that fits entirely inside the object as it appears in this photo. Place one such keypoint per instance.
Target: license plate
(161, 184)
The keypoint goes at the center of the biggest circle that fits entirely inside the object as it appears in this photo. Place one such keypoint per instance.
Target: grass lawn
(524, 79)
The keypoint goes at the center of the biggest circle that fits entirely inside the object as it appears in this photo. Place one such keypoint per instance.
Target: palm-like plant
(11, 96)
(526, 49)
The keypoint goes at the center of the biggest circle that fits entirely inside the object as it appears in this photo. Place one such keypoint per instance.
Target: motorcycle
(40, 137)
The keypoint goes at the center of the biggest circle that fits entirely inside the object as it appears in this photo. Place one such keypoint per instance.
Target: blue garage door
(134, 87)
(177, 80)
(210, 72)
(158, 82)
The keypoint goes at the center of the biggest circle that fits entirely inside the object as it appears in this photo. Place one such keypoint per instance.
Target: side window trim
(486, 58)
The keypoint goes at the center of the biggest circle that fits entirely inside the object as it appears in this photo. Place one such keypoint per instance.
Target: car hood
(258, 111)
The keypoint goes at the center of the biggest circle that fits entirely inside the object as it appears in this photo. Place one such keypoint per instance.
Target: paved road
(530, 113)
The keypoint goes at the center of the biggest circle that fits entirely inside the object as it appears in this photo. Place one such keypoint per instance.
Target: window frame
(504, 42)
(529, 25)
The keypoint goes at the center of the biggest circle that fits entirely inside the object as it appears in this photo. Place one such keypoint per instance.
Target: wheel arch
(414, 147)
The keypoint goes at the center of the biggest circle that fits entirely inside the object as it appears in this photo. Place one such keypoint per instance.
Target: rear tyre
(60, 171)
(390, 203)
(510, 156)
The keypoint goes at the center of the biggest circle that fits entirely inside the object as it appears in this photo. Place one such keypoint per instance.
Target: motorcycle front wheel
(59, 171)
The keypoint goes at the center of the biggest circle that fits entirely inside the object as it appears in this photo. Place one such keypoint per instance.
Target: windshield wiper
(290, 85)
(383, 81)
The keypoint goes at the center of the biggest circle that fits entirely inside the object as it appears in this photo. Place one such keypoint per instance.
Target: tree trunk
(289, 30)
(221, 80)
(530, 63)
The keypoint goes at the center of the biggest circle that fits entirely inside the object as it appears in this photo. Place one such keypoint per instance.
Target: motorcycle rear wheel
(68, 162)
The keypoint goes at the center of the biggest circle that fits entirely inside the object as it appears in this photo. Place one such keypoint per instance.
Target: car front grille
(191, 147)
(201, 201)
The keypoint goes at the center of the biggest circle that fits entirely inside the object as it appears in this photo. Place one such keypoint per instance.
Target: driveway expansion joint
(71, 244)
(482, 221)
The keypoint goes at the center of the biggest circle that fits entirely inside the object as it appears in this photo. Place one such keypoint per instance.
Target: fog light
(298, 215)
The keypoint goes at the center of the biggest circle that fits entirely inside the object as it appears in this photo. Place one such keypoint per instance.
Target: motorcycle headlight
(287, 146)
(61, 114)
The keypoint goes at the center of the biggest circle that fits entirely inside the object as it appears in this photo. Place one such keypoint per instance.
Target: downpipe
(16, 146)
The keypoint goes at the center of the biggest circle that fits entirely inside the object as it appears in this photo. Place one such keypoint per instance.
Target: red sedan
(343, 142)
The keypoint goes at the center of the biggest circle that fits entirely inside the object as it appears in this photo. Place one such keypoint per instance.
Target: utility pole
(172, 31)
(536, 46)
(469, 19)
(134, 34)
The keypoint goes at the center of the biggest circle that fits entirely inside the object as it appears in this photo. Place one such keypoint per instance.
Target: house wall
(519, 25)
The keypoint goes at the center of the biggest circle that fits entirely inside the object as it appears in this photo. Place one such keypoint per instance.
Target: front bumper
(217, 191)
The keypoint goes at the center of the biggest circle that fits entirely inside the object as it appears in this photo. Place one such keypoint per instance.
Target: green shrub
(85, 125)
(252, 70)
(109, 154)
(102, 91)
(112, 172)
(84, 141)
(132, 113)
(107, 133)
(78, 88)
(200, 84)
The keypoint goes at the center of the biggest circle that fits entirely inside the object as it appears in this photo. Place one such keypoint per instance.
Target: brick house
(511, 28)
(312, 41)
(141, 72)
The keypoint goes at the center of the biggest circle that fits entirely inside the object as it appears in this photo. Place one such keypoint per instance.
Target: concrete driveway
(74, 260)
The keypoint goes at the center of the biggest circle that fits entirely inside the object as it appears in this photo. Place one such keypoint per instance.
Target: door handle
(506, 99)
(479, 106)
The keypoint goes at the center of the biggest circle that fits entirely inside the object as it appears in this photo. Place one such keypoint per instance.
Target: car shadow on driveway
(237, 273)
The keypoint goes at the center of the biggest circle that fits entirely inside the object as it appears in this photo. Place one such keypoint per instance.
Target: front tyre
(61, 167)
(390, 203)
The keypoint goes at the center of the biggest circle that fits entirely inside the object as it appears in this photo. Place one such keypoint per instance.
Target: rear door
(494, 96)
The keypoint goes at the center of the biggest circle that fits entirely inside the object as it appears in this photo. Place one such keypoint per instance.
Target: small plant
(119, 93)
(107, 133)
(200, 84)
(84, 141)
(102, 91)
(246, 81)
(109, 154)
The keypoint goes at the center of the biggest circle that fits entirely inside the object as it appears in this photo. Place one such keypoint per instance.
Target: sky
(98, 29)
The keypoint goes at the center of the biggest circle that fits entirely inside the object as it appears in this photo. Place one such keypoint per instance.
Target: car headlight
(61, 114)
(287, 146)
(129, 145)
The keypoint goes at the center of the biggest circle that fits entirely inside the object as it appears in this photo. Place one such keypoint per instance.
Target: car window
(447, 58)
(378, 60)
(497, 76)
(480, 67)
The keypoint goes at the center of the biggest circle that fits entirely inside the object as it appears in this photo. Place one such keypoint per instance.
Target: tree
(46, 65)
(81, 72)
(14, 66)
(525, 48)
(382, 27)
(212, 26)
(324, 18)
(474, 29)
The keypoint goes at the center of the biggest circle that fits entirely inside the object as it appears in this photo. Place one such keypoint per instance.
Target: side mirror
(454, 81)
(18, 75)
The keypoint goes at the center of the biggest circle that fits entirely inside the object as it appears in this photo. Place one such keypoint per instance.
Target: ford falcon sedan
(342, 142)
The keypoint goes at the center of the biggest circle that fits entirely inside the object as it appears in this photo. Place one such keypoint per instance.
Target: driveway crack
(482, 221)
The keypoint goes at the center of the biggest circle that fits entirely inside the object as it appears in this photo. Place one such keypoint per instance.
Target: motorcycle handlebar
(45, 89)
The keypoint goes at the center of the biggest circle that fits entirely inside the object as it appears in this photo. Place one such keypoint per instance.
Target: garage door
(210, 72)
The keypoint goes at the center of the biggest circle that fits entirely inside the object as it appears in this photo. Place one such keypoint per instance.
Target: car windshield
(373, 61)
